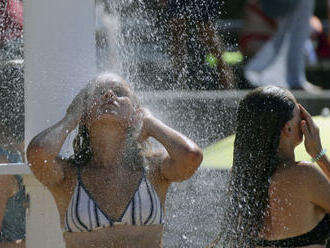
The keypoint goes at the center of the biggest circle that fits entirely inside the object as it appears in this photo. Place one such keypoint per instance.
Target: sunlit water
(194, 207)
(133, 42)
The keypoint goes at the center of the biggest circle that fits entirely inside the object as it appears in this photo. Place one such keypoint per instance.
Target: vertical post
(59, 40)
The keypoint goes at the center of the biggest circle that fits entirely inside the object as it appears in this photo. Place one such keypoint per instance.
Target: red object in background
(11, 20)
(323, 50)
(258, 28)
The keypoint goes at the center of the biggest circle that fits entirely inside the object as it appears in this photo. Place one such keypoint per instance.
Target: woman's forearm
(324, 164)
(51, 140)
(175, 143)
(184, 156)
(43, 150)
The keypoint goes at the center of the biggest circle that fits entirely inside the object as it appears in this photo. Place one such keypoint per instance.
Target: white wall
(59, 59)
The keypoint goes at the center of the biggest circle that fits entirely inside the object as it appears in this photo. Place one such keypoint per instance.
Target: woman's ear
(286, 130)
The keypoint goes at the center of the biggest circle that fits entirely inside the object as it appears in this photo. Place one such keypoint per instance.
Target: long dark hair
(133, 156)
(261, 116)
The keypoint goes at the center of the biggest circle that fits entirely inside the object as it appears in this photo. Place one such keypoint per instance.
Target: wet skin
(108, 111)
(299, 194)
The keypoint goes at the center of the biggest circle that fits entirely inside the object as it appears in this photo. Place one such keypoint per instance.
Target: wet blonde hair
(83, 151)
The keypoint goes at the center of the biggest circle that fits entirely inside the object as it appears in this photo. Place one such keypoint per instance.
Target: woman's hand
(77, 107)
(145, 115)
(311, 133)
(43, 152)
(182, 156)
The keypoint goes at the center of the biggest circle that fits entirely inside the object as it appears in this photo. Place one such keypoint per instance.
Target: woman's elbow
(33, 153)
(195, 157)
(42, 166)
(36, 156)
(191, 163)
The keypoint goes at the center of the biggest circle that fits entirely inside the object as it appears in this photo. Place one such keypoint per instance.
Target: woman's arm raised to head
(43, 151)
(317, 183)
(313, 141)
(183, 155)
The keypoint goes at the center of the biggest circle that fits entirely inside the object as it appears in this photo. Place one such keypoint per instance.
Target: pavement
(193, 209)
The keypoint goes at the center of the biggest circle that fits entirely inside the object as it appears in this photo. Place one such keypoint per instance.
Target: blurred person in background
(11, 29)
(201, 14)
(258, 28)
(323, 49)
(285, 32)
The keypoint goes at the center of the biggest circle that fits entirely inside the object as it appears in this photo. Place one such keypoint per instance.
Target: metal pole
(59, 54)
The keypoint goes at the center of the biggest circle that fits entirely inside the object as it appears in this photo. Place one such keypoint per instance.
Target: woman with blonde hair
(112, 192)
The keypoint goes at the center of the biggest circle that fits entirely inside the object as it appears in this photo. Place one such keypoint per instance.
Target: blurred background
(188, 62)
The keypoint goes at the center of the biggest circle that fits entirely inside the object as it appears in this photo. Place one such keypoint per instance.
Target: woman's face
(109, 102)
(296, 134)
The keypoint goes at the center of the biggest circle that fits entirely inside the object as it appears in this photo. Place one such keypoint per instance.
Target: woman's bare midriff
(121, 236)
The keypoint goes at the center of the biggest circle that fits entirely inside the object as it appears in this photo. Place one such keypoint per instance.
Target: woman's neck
(286, 157)
(286, 152)
(108, 146)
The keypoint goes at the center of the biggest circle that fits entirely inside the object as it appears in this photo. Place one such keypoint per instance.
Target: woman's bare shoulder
(316, 185)
(298, 176)
(305, 168)
(305, 177)
(300, 168)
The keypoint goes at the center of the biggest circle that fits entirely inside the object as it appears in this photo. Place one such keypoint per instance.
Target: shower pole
(59, 59)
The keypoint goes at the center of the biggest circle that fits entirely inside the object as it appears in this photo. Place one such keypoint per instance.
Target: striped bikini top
(84, 214)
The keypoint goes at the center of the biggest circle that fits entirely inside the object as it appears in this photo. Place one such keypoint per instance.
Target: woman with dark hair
(112, 192)
(275, 201)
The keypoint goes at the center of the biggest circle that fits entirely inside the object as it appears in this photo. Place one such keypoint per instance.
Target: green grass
(220, 154)
(232, 58)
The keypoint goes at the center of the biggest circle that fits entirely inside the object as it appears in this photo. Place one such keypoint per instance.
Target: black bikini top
(317, 236)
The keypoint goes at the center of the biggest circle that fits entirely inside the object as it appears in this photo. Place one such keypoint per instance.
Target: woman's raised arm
(317, 183)
(43, 151)
(183, 155)
(313, 141)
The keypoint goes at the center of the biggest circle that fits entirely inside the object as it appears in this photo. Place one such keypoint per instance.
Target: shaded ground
(193, 209)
